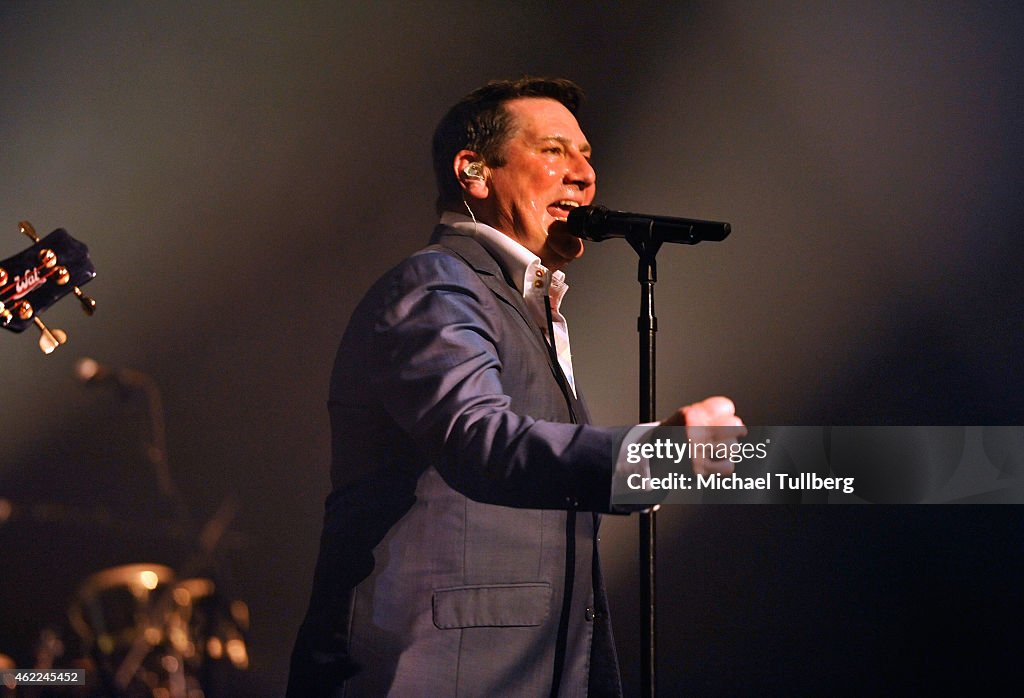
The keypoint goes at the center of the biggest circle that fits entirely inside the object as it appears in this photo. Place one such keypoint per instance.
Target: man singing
(459, 556)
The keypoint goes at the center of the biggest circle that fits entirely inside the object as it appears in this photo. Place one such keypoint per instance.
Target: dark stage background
(243, 171)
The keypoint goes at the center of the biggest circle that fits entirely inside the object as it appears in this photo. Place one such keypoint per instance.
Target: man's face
(546, 174)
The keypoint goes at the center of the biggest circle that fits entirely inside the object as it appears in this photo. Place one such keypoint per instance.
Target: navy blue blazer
(458, 556)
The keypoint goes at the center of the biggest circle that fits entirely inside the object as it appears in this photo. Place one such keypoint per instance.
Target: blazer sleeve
(435, 336)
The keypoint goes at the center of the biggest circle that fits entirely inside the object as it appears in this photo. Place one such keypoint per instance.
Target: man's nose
(581, 172)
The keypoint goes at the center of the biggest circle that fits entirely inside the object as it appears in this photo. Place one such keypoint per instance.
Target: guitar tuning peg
(88, 304)
(24, 309)
(49, 339)
(26, 229)
(48, 258)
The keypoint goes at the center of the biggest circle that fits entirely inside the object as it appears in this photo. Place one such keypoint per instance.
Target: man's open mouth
(560, 209)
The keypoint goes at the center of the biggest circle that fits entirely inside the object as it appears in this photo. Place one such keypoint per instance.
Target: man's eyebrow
(567, 142)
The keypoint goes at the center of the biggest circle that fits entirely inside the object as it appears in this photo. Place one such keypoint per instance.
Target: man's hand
(713, 421)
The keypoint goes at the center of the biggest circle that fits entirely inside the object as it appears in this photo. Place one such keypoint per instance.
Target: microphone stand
(645, 234)
(156, 449)
(646, 246)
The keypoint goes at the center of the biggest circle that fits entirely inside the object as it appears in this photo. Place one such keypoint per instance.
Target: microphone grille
(86, 369)
(585, 221)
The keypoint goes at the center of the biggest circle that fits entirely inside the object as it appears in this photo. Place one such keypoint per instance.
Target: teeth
(566, 203)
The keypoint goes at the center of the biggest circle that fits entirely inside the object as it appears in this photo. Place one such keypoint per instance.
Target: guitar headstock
(33, 280)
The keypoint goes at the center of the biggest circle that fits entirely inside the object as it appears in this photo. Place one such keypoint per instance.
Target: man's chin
(562, 246)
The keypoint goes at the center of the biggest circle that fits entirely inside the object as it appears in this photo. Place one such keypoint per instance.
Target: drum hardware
(145, 630)
(148, 631)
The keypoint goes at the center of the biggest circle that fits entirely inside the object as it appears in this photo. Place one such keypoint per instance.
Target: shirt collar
(521, 265)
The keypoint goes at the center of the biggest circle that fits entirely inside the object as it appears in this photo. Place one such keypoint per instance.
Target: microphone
(91, 371)
(597, 223)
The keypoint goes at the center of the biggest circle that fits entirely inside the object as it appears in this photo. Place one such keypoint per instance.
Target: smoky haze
(242, 172)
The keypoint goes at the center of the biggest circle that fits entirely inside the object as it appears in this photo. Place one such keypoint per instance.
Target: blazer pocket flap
(492, 605)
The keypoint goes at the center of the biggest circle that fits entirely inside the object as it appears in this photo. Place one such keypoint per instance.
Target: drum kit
(151, 634)
(143, 631)
(139, 630)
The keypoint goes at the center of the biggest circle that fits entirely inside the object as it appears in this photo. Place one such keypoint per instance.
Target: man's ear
(472, 174)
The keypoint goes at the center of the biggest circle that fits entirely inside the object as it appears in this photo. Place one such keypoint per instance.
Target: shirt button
(540, 273)
(538, 283)
(590, 615)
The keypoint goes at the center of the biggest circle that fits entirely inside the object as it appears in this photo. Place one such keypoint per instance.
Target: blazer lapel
(493, 276)
(490, 272)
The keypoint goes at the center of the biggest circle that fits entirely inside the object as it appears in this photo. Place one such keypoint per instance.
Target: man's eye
(556, 149)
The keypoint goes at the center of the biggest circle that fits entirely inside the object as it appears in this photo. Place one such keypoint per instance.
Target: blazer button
(590, 615)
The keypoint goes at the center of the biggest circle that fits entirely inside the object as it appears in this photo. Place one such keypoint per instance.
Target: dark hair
(481, 123)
